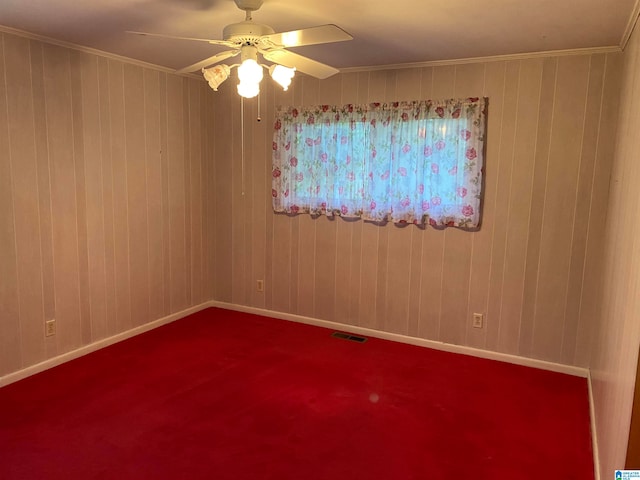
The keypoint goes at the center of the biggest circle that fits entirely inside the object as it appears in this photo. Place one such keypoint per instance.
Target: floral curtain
(415, 162)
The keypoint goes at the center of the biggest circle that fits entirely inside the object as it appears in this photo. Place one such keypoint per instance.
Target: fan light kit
(249, 39)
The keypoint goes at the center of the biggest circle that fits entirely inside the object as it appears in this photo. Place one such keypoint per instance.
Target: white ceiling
(385, 32)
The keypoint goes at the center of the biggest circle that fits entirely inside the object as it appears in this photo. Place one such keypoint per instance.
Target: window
(414, 162)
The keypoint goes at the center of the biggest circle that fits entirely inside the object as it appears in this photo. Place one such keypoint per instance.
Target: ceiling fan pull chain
(259, 118)
(242, 141)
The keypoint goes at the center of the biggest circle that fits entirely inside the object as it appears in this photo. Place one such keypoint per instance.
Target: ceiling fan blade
(209, 61)
(303, 64)
(173, 37)
(309, 36)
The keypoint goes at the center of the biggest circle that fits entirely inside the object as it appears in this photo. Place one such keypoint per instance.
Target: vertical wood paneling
(223, 155)
(325, 268)
(137, 193)
(44, 188)
(95, 227)
(107, 196)
(24, 181)
(503, 173)
(166, 207)
(120, 196)
(176, 197)
(526, 122)
(305, 286)
(250, 126)
(494, 78)
(281, 272)
(394, 317)
(186, 174)
(260, 198)
(560, 201)
(195, 166)
(545, 116)
(593, 269)
(206, 141)
(206, 135)
(581, 218)
(153, 155)
(63, 197)
(80, 180)
(89, 195)
(344, 233)
(614, 349)
(239, 282)
(10, 334)
(211, 217)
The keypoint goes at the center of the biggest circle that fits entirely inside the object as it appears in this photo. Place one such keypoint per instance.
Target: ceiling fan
(248, 39)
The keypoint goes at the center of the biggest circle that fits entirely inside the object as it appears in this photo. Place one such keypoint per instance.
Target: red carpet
(225, 395)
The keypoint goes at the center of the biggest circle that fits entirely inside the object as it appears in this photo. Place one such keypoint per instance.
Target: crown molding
(631, 25)
(369, 68)
(92, 51)
(492, 58)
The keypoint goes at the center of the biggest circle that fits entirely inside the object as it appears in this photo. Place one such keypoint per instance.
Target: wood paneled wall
(124, 197)
(614, 356)
(534, 267)
(104, 168)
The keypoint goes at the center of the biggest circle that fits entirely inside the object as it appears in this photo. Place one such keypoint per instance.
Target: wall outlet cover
(50, 328)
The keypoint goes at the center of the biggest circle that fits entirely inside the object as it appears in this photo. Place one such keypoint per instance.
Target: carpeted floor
(226, 395)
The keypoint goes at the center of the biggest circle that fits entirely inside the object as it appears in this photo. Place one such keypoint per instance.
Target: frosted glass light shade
(250, 72)
(250, 75)
(282, 75)
(216, 75)
(248, 89)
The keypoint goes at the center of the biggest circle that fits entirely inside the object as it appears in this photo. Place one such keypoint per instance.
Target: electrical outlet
(50, 327)
(260, 285)
(478, 320)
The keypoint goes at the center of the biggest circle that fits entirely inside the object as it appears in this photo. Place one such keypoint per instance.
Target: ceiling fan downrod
(248, 6)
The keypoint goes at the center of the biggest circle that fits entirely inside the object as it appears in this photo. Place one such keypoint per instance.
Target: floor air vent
(348, 336)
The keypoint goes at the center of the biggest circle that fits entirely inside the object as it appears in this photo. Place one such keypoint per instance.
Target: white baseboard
(447, 347)
(105, 342)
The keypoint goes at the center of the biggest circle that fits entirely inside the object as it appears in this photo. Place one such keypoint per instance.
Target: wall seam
(15, 235)
(544, 202)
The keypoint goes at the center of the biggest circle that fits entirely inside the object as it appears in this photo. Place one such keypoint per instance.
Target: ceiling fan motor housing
(248, 5)
(246, 32)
